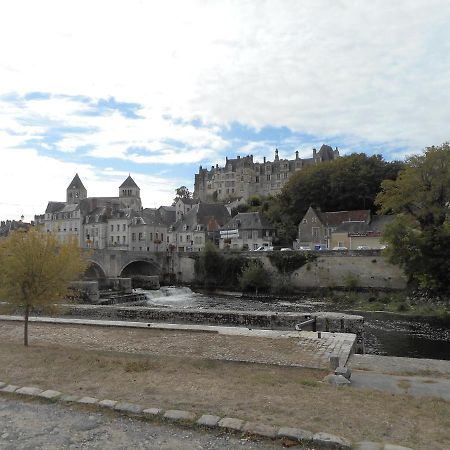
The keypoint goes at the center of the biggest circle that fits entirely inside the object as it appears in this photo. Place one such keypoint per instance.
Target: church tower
(75, 191)
(130, 194)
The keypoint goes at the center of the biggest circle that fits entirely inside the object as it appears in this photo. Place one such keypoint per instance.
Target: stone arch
(140, 267)
(94, 272)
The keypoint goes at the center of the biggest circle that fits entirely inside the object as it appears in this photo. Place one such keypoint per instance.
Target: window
(316, 232)
(140, 236)
(305, 221)
(112, 239)
(278, 176)
(151, 236)
(112, 227)
(257, 179)
(118, 227)
(133, 236)
(123, 239)
(162, 236)
(268, 177)
(181, 238)
(188, 237)
(124, 227)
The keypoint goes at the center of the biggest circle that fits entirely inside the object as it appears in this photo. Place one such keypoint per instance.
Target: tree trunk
(25, 328)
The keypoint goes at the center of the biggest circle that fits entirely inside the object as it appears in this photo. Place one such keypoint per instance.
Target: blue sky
(104, 89)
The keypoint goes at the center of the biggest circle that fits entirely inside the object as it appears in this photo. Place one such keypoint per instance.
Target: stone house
(355, 234)
(316, 227)
(201, 223)
(247, 231)
(183, 206)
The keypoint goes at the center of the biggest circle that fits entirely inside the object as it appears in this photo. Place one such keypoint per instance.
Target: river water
(386, 334)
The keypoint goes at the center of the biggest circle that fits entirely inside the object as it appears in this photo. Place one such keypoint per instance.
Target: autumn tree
(419, 238)
(36, 270)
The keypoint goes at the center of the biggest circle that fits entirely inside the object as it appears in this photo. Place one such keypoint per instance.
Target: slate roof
(210, 215)
(76, 183)
(335, 218)
(248, 221)
(189, 201)
(53, 207)
(377, 225)
(129, 183)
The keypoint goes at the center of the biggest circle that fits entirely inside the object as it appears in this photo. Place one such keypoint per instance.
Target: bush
(351, 281)
(254, 277)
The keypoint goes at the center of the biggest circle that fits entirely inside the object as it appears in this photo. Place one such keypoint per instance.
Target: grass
(270, 394)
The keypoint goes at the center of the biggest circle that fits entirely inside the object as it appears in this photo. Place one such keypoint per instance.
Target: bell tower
(130, 194)
(75, 191)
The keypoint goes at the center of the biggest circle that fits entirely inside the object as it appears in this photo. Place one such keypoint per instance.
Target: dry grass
(60, 359)
(275, 395)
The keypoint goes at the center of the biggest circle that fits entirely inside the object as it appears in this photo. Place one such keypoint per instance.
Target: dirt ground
(271, 394)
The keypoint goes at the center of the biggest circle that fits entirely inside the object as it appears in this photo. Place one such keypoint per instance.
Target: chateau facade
(242, 177)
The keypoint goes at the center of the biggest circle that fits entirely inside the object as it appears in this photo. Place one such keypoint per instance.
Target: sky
(157, 88)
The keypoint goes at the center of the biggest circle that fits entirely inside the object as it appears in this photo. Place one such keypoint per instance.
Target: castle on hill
(242, 178)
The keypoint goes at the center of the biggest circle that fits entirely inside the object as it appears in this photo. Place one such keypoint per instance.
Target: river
(386, 334)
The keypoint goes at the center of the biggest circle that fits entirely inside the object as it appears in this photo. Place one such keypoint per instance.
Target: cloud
(152, 86)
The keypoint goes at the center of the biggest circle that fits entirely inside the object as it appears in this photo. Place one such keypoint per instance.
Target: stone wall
(368, 269)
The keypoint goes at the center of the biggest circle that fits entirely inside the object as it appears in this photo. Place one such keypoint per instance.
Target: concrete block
(260, 429)
(88, 400)
(395, 447)
(107, 403)
(334, 362)
(331, 442)
(153, 411)
(9, 388)
(178, 415)
(336, 380)
(50, 394)
(366, 445)
(296, 434)
(29, 391)
(208, 420)
(231, 423)
(69, 398)
(130, 408)
(344, 371)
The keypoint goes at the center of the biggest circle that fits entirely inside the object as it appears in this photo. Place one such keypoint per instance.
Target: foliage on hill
(346, 183)
(419, 239)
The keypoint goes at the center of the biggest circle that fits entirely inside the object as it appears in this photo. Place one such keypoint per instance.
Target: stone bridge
(123, 263)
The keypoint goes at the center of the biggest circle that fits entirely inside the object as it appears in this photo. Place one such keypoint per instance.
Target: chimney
(296, 154)
(314, 152)
(264, 159)
(217, 166)
(238, 157)
(276, 155)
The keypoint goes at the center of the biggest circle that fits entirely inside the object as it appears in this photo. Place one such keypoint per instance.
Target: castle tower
(75, 191)
(130, 194)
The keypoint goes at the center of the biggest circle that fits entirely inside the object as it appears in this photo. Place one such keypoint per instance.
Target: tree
(254, 277)
(346, 183)
(36, 270)
(182, 192)
(419, 238)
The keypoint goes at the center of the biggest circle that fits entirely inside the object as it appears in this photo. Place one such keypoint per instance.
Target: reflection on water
(386, 334)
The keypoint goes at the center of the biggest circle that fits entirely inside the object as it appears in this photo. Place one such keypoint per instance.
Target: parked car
(285, 249)
(304, 248)
(264, 248)
(340, 248)
(363, 247)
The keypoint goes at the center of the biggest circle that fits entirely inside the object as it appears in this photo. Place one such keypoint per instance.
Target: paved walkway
(33, 425)
(401, 366)
(290, 348)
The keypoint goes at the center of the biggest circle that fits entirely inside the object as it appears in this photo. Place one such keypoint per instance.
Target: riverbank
(105, 364)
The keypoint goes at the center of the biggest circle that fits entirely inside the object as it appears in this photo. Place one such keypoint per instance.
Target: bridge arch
(94, 271)
(140, 267)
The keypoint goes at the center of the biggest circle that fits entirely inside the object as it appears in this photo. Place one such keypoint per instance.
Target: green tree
(36, 270)
(346, 183)
(182, 192)
(209, 265)
(419, 238)
(254, 277)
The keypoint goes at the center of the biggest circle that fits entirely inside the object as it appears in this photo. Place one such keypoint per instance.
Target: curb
(320, 441)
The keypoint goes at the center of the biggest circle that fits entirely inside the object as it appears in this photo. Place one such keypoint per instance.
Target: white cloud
(364, 73)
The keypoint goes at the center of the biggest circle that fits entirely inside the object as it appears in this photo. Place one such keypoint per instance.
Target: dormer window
(185, 227)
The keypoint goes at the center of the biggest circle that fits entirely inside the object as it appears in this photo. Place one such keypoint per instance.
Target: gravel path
(33, 425)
